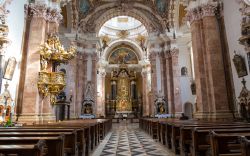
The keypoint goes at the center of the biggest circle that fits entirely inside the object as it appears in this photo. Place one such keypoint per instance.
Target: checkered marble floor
(126, 139)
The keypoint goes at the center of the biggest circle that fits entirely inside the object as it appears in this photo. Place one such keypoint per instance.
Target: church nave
(126, 139)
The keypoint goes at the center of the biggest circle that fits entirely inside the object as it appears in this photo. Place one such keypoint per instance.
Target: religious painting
(248, 59)
(161, 6)
(184, 71)
(123, 55)
(240, 65)
(182, 14)
(10, 68)
(7, 114)
(84, 6)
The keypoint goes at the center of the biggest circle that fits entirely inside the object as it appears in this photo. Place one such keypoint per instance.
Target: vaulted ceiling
(90, 15)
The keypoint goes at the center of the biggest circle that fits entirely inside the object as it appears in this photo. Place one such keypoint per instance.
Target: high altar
(123, 83)
(123, 99)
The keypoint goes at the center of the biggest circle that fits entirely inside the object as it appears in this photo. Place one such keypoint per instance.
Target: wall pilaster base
(201, 115)
(36, 118)
(219, 115)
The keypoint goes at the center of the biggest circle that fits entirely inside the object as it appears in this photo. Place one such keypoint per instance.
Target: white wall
(15, 21)
(158, 73)
(185, 61)
(233, 17)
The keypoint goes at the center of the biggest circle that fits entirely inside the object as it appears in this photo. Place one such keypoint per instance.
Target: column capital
(209, 9)
(171, 53)
(54, 15)
(193, 15)
(35, 10)
(152, 56)
(197, 12)
(42, 10)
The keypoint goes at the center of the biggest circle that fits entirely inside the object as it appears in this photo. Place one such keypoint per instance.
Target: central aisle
(126, 139)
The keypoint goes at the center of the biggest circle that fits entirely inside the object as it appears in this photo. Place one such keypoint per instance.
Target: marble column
(154, 88)
(163, 75)
(100, 102)
(30, 100)
(94, 60)
(211, 89)
(81, 78)
(169, 81)
(219, 106)
(176, 81)
(199, 64)
(145, 94)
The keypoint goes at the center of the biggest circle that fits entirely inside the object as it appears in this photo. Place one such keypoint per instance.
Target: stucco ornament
(247, 2)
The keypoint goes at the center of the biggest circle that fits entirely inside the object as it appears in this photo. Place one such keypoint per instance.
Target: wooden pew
(24, 149)
(83, 134)
(92, 132)
(178, 140)
(86, 131)
(81, 143)
(54, 145)
(70, 144)
(226, 142)
(195, 140)
(245, 146)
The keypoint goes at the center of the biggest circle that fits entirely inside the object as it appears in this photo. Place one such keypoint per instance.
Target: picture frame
(240, 65)
(248, 60)
(10, 68)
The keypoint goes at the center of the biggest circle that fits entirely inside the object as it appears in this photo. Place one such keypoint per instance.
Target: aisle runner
(129, 142)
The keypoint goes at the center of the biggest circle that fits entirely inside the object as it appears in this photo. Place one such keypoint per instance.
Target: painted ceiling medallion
(122, 34)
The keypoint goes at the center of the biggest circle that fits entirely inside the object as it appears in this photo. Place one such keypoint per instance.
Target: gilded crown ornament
(53, 52)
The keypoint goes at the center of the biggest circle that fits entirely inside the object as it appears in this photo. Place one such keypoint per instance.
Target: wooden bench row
(74, 137)
(199, 138)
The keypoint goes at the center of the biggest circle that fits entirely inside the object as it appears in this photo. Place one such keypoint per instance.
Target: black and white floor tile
(127, 139)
